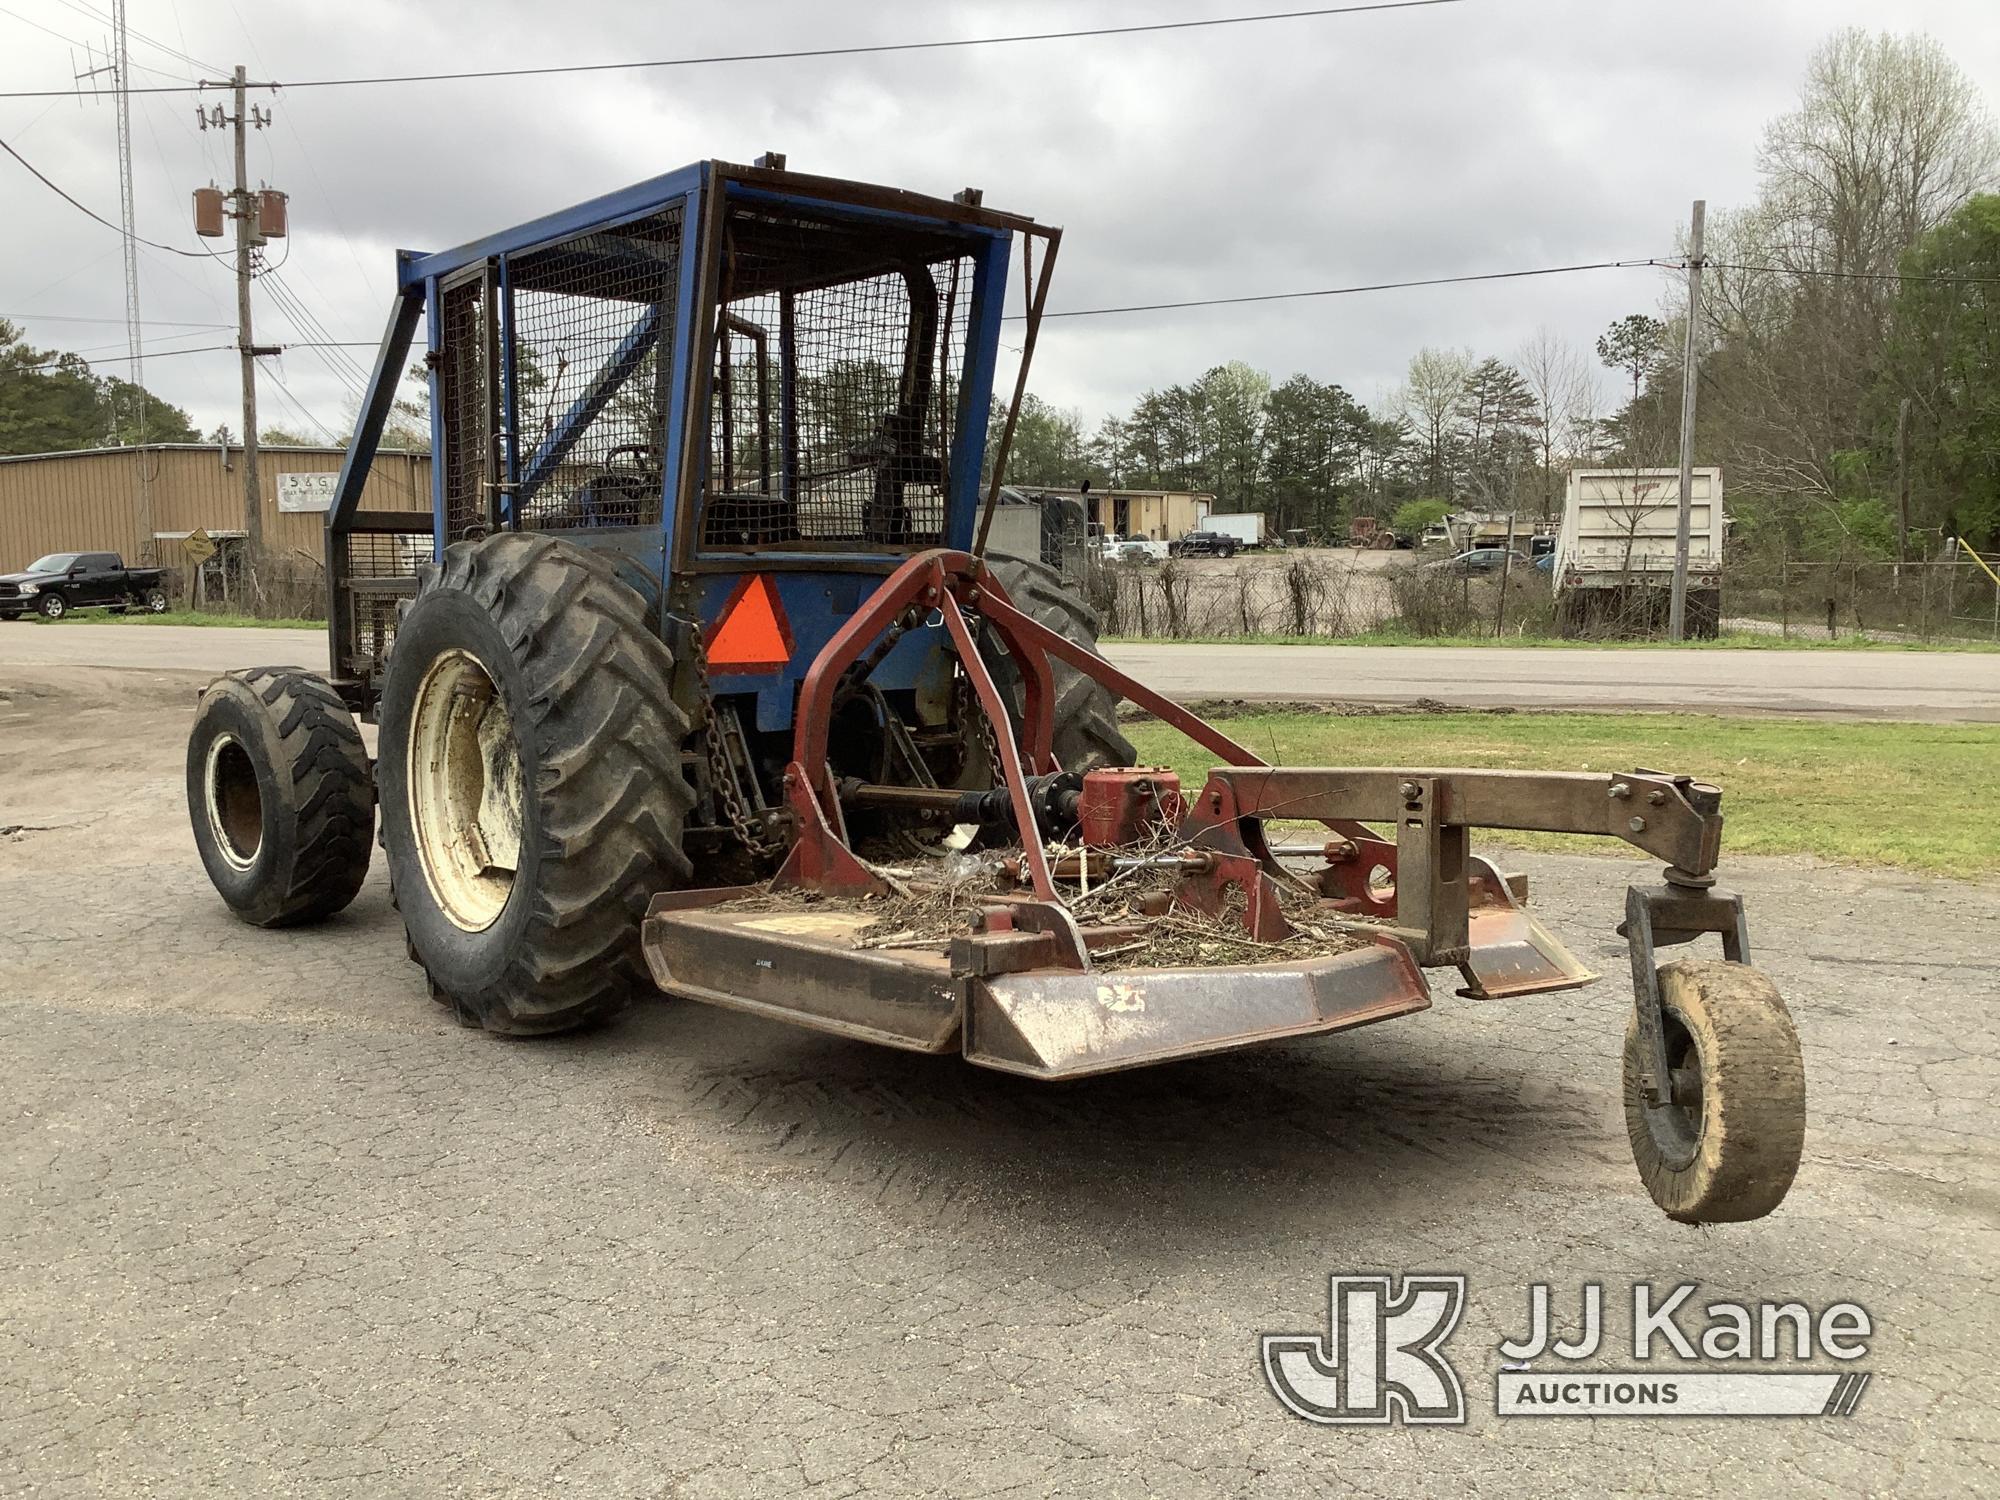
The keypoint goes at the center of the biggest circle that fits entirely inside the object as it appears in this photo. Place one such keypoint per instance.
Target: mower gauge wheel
(1727, 1144)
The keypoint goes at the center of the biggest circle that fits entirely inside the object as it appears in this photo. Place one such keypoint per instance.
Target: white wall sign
(306, 491)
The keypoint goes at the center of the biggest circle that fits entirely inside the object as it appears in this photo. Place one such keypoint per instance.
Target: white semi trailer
(1614, 563)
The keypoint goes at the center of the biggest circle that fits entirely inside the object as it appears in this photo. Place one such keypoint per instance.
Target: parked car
(52, 586)
(1480, 562)
(1205, 544)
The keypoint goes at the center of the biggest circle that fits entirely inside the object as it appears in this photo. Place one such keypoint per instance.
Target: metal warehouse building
(142, 502)
(1153, 515)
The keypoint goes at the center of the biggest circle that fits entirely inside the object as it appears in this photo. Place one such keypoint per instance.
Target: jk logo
(1381, 1358)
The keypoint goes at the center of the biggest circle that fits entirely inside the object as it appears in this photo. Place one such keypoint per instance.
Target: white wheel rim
(235, 805)
(464, 778)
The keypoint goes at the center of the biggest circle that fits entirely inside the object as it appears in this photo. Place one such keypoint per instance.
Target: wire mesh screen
(839, 349)
(593, 340)
(380, 574)
(464, 397)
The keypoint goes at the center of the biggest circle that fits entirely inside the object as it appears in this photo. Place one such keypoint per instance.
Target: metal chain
(972, 710)
(750, 831)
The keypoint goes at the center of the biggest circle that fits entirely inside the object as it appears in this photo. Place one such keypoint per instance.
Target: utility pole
(1677, 604)
(245, 207)
(1902, 486)
(253, 500)
(1506, 576)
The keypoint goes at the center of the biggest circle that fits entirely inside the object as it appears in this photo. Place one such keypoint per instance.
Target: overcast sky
(1481, 136)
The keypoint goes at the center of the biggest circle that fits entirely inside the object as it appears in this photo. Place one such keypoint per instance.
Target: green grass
(173, 617)
(1732, 641)
(1920, 797)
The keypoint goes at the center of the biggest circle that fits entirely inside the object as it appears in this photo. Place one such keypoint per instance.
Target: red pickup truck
(54, 585)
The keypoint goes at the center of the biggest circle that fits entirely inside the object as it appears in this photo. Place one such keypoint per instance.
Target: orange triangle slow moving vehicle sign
(751, 634)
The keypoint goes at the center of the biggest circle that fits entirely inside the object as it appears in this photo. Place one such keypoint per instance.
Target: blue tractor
(699, 673)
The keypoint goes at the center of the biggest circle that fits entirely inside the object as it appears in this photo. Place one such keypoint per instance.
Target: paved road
(1936, 685)
(273, 1227)
(1887, 685)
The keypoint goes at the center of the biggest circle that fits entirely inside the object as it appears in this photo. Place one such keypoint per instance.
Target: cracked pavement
(274, 1226)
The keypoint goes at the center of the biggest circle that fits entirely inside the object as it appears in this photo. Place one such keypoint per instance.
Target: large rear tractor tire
(280, 795)
(1086, 727)
(1728, 1146)
(533, 798)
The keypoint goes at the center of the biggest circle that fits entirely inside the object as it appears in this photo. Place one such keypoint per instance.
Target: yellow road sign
(198, 545)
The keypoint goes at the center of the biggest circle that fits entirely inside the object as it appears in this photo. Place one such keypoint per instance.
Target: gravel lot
(274, 1226)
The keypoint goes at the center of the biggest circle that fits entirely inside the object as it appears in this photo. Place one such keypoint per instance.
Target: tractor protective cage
(723, 373)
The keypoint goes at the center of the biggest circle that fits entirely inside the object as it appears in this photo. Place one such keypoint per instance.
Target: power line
(126, 359)
(20, 317)
(1343, 291)
(300, 407)
(337, 360)
(809, 52)
(44, 30)
(92, 213)
(92, 13)
(86, 47)
(92, 350)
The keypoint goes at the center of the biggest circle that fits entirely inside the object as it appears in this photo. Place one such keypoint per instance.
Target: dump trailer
(701, 676)
(1614, 567)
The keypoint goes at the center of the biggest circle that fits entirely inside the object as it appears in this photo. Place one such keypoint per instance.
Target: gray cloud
(1486, 136)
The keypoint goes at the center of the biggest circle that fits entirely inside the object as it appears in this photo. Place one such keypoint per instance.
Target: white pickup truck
(1614, 559)
(1132, 549)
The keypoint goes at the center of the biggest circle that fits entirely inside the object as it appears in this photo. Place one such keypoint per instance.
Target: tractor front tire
(280, 795)
(1727, 1147)
(533, 798)
(1086, 727)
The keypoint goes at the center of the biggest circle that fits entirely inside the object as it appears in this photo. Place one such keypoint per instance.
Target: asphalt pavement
(1926, 685)
(274, 1226)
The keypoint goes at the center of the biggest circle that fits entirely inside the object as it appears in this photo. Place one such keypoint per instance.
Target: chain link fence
(1929, 601)
(1329, 595)
(1315, 595)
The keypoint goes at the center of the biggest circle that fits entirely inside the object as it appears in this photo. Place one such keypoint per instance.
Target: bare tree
(1889, 139)
(1560, 383)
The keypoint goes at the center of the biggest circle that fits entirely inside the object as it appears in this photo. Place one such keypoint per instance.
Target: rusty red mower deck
(1021, 986)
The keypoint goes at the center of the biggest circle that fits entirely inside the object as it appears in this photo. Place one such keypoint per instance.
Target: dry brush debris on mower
(700, 669)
